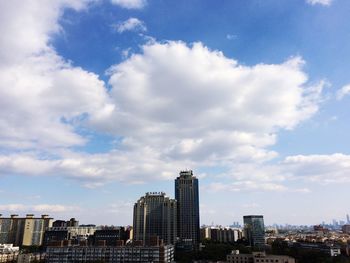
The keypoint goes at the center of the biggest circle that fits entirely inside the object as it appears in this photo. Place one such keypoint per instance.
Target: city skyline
(105, 100)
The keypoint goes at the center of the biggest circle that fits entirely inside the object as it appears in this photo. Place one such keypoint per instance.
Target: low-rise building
(221, 234)
(111, 254)
(10, 257)
(73, 233)
(31, 257)
(331, 250)
(8, 253)
(109, 235)
(346, 229)
(257, 257)
(8, 248)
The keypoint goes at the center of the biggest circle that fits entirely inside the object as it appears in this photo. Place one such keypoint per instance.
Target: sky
(104, 100)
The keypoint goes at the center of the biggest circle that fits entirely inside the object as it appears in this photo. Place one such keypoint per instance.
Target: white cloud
(245, 186)
(93, 170)
(121, 207)
(46, 208)
(334, 168)
(231, 37)
(320, 2)
(132, 24)
(172, 105)
(12, 207)
(41, 94)
(42, 208)
(191, 103)
(130, 4)
(344, 91)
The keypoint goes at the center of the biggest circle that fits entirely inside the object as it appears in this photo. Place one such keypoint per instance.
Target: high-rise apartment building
(155, 215)
(187, 197)
(24, 231)
(254, 230)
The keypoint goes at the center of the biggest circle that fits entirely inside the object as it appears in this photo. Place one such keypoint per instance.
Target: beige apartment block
(24, 231)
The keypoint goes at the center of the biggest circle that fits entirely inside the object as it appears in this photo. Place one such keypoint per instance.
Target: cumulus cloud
(192, 103)
(41, 94)
(132, 24)
(320, 2)
(130, 4)
(344, 91)
(172, 105)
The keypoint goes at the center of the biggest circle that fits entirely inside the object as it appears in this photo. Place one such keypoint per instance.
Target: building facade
(24, 231)
(257, 257)
(8, 253)
(109, 236)
(187, 196)
(73, 233)
(346, 229)
(221, 234)
(115, 254)
(254, 230)
(31, 257)
(155, 215)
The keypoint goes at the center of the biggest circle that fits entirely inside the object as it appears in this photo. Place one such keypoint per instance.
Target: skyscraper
(254, 230)
(155, 215)
(187, 196)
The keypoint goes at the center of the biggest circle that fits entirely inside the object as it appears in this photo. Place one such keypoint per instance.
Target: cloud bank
(172, 105)
(319, 2)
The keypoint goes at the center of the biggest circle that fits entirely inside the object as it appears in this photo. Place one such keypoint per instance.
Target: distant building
(187, 196)
(254, 230)
(8, 248)
(257, 257)
(24, 231)
(155, 215)
(59, 223)
(331, 250)
(221, 234)
(109, 236)
(346, 229)
(8, 253)
(321, 229)
(31, 257)
(74, 234)
(157, 253)
(62, 223)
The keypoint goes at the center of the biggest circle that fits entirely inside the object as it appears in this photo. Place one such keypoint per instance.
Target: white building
(8, 248)
(221, 234)
(8, 253)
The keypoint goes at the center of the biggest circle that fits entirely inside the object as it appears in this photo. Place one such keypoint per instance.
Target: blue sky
(102, 101)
